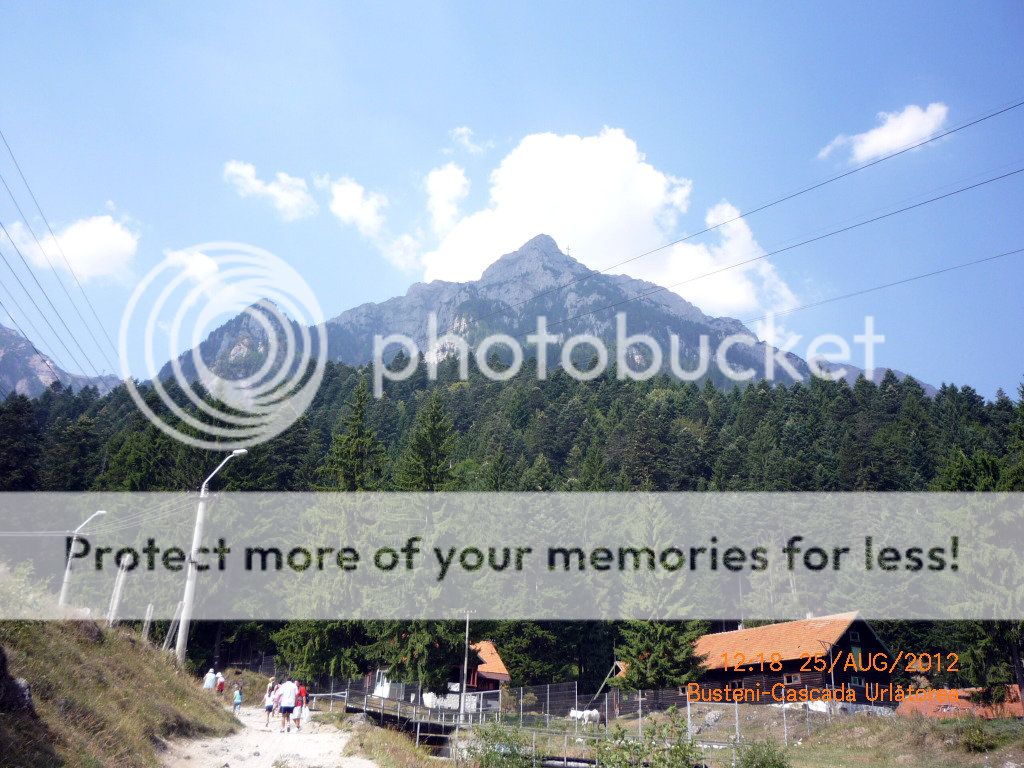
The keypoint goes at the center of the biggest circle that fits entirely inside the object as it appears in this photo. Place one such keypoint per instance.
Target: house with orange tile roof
(489, 672)
(837, 652)
(485, 671)
(960, 703)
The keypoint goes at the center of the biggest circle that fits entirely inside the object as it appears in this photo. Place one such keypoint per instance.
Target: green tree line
(556, 434)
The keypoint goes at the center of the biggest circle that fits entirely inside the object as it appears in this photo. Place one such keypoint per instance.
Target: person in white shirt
(287, 694)
(209, 680)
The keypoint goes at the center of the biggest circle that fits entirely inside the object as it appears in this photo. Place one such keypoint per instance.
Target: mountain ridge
(27, 371)
(537, 279)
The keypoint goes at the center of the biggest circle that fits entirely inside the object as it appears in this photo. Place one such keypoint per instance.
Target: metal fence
(543, 715)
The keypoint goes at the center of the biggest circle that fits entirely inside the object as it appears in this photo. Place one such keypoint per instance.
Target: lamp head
(239, 452)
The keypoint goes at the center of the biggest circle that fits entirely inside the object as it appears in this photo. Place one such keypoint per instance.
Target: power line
(22, 332)
(56, 274)
(24, 315)
(60, 248)
(41, 314)
(162, 511)
(905, 280)
(46, 296)
(815, 239)
(766, 206)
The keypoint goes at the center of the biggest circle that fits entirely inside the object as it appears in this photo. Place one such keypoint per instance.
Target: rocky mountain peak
(536, 266)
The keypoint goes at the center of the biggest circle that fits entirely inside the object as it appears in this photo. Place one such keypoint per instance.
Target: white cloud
(463, 137)
(402, 251)
(98, 246)
(205, 273)
(594, 194)
(897, 131)
(354, 206)
(289, 194)
(446, 187)
(196, 264)
(736, 292)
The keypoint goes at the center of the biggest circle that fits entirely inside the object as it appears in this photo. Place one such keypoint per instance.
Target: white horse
(585, 715)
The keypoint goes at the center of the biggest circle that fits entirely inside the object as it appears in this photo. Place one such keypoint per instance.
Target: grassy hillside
(103, 698)
(849, 742)
(859, 742)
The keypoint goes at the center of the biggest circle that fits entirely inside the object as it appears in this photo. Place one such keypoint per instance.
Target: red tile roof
(789, 639)
(491, 665)
(963, 706)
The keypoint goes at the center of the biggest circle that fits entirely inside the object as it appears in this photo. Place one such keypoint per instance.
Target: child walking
(268, 703)
(237, 702)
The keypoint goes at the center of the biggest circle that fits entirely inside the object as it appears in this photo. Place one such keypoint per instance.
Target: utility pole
(181, 646)
(172, 628)
(63, 599)
(465, 673)
(115, 597)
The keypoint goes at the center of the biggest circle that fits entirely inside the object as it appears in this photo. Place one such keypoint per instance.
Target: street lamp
(190, 579)
(465, 673)
(62, 600)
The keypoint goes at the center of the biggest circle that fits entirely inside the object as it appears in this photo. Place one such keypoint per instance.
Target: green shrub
(495, 746)
(972, 736)
(665, 744)
(763, 754)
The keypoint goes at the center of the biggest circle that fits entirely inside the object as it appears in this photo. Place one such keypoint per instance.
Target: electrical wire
(56, 275)
(34, 348)
(60, 248)
(49, 301)
(766, 206)
(883, 286)
(831, 233)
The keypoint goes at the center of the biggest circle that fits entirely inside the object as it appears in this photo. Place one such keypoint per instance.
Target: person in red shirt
(300, 702)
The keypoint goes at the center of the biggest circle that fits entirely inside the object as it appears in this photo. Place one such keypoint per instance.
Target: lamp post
(62, 600)
(465, 673)
(181, 644)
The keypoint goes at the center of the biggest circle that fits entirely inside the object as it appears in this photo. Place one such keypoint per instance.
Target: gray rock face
(15, 693)
(535, 280)
(24, 370)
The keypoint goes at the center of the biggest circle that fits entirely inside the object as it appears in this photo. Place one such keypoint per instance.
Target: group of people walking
(287, 698)
(214, 681)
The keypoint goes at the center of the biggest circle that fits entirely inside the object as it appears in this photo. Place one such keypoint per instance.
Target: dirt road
(316, 746)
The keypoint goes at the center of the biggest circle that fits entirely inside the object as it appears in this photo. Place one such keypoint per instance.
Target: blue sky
(132, 112)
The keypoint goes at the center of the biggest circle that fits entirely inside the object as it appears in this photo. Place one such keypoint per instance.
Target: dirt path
(316, 746)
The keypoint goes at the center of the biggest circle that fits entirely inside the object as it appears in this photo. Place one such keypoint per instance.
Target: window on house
(854, 637)
(857, 681)
(791, 678)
